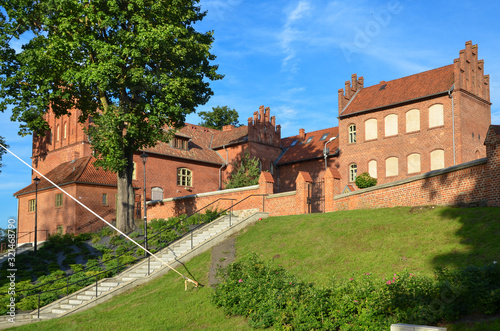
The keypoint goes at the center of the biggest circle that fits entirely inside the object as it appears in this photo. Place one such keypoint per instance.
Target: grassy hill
(315, 248)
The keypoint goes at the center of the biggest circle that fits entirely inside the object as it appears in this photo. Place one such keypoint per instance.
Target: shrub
(365, 180)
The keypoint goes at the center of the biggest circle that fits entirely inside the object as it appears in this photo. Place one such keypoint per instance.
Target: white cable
(90, 210)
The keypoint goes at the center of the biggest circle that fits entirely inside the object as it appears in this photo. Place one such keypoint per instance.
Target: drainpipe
(450, 94)
(222, 166)
(325, 154)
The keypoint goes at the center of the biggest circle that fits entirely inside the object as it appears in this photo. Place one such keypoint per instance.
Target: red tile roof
(198, 147)
(79, 170)
(401, 90)
(302, 151)
(234, 136)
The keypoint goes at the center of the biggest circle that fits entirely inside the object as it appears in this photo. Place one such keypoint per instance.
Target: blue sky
(293, 56)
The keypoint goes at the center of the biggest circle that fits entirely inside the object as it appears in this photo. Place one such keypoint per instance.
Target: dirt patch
(222, 255)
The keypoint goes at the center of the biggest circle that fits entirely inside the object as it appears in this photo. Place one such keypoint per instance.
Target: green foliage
(2, 151)
(219, 117)
(105, 232)
(365, 180)
(270, 296)
(245, 173)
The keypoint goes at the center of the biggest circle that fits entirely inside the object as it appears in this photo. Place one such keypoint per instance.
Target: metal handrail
(117, 257)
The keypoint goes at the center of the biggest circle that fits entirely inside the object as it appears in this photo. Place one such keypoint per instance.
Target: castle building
(392, 130)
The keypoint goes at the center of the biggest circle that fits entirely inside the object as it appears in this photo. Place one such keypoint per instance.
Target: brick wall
(260, 197)
(474, 183)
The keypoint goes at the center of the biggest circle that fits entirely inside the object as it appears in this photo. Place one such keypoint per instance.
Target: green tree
(218, 117)
(137, 67)
(365, 180)
(245, 173)
(2, 151)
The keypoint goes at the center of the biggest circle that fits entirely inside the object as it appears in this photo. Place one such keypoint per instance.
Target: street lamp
(36, 180)
(325, 152)
(144, 158)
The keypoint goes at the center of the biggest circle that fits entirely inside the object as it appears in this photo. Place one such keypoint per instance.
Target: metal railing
(111, 271)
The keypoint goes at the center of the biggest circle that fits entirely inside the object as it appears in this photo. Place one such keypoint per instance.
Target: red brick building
(393, 130)
(415, 124)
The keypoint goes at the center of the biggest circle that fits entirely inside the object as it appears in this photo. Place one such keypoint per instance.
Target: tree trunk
(126, 197)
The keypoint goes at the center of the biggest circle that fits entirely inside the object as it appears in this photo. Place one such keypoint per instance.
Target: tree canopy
(2, 151)
(137, 67)
(219, 117)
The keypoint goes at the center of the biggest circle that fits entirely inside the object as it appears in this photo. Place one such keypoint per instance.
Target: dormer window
(323, 137)
(293, 143)
(179, 143)
(309, 139)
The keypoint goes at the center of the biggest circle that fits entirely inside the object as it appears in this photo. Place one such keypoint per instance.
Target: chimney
(228, 127)
(302, 134)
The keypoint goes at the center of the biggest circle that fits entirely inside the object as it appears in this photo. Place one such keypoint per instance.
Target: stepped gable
(396, 91)
(305, 149)
(200, 139)
(79, 170)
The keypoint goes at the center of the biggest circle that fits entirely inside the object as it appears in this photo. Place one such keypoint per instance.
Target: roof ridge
(309, 132)
(83, 168)
(405, 77)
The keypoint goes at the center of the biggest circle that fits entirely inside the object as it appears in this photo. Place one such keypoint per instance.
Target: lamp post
(325, 152)
(144, 158)
(36, 180)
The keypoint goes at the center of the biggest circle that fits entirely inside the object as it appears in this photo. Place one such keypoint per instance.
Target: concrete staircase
(178, 252)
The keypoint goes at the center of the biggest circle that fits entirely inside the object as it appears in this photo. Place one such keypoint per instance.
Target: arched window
(156, 193)
(391, 125)
(184, 177)
(413, 163)
(412, 120)
(134, 173)
(65, 132)
(371, 129)
(391, 166)
(352, 133)
(436, 115)
(58, 132)
(372, 168)
(271, 168)
(437, 159)
(353, 171)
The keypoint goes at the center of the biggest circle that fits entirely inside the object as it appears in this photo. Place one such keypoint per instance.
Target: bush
(365, 180)
(269, 296)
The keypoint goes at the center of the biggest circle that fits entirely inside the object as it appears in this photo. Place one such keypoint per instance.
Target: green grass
(315, 248)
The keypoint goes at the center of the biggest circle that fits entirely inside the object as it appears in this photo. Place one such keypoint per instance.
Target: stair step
(110, 284)
(92, 293)
(59, 311)
(75, 302)
(84, 297)
(67, 306)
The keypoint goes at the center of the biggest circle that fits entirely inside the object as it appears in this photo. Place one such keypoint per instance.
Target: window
(413, 120)
(436, 117)
(391, 125)
(105, 199)
(371, 129)
(323, 137)
(65, 134)
(309, 140)
(437, 159)
(352, 133)
(184, 177)
(353, 170)
(271, 168)
(391, 167)
(372, 168)
(413, 163)
(134, 172)
(179, 143)
(58, 133)
(31, 205)
(59, 200)
(293, 143)
(156, 193)
(60, 229)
